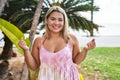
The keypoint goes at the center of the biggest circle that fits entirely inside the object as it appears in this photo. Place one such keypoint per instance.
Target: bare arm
(79, 55)
(31, 58)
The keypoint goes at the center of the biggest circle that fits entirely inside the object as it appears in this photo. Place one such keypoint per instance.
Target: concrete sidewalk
(101, 41)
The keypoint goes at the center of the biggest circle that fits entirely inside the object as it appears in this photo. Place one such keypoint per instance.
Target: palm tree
(25, 8)
(35, 20)
(33, 28)
(21, 14)
(73, 9)
(24, 76)
(92, 3)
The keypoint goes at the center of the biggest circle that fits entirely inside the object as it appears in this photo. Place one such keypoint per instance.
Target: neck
(55, 35)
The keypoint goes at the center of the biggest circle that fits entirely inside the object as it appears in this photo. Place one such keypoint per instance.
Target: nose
(56, 22)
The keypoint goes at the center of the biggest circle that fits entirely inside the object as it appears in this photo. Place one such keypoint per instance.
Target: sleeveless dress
(57, 66)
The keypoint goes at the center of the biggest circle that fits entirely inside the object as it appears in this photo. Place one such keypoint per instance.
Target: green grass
(105, 60)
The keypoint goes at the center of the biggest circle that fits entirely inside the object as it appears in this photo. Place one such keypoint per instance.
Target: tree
(33, 28)
(35, 20)
(92, 3)
(31, 37)
(2, 5)
(14, 34)
(73, 9)
(20, 13)
(9, 13)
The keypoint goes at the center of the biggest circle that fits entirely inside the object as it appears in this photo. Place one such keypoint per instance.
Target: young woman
(57, 51)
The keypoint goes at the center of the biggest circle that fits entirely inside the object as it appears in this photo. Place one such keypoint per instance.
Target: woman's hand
(90, 45)
(23, 45)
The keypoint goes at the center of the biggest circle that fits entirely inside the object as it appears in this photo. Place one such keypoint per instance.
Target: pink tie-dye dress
(57, 66)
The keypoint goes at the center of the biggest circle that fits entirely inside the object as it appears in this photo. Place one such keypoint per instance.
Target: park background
(108, 17)
(106, 57)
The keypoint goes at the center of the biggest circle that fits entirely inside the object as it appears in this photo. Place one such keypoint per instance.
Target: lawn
(103, 62)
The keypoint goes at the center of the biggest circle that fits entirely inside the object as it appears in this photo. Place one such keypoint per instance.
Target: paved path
(102, 41)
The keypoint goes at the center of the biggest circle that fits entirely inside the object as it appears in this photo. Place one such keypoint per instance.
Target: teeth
(56, 27)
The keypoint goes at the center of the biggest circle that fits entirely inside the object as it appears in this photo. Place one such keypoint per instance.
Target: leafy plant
(73, 8)
(13, 33)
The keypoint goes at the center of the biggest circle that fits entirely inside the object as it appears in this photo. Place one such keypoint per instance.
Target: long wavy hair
(64, 31)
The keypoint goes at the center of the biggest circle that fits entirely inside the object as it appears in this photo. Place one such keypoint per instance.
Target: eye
(60, 19)
(52, 18)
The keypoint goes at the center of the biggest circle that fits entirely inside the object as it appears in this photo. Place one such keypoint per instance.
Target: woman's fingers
(91, 44)
(22, 44)
(93, 40)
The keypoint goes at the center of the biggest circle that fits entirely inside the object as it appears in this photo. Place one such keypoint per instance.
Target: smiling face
(55, 22)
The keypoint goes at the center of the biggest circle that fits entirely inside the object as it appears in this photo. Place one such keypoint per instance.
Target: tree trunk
(32, 34)
(7, 49)
(92, 29)
(2, 4)
(91, 32)
(35, 20)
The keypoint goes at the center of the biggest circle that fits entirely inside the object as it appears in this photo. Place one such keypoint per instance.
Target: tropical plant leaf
(73, 8)
(13, 33)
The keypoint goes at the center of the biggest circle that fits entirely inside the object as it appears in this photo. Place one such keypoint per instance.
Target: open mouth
(56, 27)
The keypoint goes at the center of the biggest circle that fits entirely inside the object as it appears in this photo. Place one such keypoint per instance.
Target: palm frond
(47, 3)
(22, 19)
(73, 9)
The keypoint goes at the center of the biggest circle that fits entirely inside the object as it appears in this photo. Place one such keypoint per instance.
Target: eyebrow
(54, 17)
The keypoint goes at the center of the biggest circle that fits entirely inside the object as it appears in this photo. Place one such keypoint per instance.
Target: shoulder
(37, 41)
(73, 38)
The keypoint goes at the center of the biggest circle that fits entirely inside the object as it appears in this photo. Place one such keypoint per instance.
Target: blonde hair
(64, 31)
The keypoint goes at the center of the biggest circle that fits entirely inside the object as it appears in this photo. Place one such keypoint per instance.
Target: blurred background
(102, 63)
(107, 16)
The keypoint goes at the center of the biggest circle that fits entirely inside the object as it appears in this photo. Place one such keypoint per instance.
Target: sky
(107, 16)
(109, 12)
